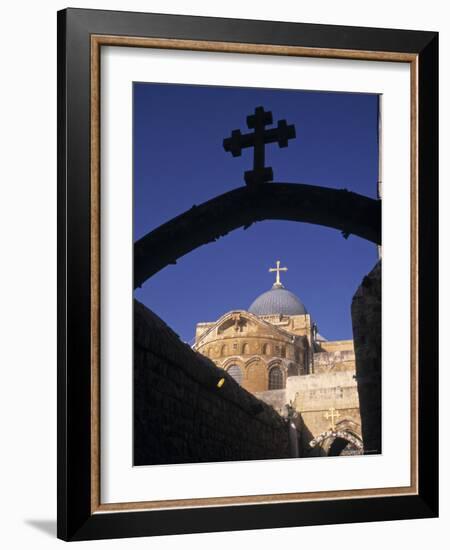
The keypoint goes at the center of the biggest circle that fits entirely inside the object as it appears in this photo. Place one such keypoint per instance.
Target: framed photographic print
(247, 274)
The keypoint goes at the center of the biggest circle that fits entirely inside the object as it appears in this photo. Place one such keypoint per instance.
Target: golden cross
(278, 269)
(333, 414)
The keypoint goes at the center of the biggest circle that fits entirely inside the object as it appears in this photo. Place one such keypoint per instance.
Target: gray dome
(277, 301)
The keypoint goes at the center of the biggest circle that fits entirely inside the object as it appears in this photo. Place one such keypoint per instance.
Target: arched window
(235, 372)
(275, 379)
(245, 349)
(266, 349)
(223, 351)
(283, 351)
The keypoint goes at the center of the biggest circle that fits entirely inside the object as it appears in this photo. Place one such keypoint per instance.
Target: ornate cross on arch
(332, 415)
(258, 139)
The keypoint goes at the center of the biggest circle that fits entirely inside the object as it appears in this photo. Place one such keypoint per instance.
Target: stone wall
(312, 397)
(276, 399)
(336, 345)
(366, 319)
(181, 414)
(334, 360)
(315, 394)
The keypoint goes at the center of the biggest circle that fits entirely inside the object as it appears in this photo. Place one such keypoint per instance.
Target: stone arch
(233, 360)
(277, 362)
(338, 442)
(346, 211)
(350, 426)
(338, 446)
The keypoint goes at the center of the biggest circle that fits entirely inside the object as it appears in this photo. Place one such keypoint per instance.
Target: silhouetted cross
(258, 139)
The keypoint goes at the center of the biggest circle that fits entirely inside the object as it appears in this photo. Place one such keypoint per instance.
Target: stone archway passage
(341, 446)
(337, 208)
(340, 442)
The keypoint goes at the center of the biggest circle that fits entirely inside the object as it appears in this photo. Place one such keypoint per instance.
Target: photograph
(246, 268)
(257, 273)
(222, 262)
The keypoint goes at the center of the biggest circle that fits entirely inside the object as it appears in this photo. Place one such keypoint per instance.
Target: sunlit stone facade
(274, 351)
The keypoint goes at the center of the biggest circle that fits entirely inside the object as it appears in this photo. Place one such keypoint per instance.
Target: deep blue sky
(179, 161)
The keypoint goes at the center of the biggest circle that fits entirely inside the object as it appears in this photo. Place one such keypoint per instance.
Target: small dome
(277, 301)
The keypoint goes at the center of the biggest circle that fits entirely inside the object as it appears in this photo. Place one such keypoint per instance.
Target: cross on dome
(278, 300)
(277, 283)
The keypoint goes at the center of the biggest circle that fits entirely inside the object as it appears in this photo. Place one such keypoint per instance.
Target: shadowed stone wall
(276, 398)
(366, 319)
(180, 415)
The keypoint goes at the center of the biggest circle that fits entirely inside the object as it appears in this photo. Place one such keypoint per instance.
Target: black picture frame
(76, 520)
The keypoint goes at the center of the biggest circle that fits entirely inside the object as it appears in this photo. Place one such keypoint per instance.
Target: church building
(274, 351)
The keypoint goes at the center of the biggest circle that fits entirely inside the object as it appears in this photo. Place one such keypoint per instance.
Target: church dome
(277, 301)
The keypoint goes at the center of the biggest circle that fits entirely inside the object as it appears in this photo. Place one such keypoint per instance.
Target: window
(235, 372)
(266, 349)
(245, 349)
(283, 351)
(223, 351)
(275, 379)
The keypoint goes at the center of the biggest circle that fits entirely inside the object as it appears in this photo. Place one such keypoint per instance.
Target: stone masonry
(316, 377)
(184, 414)
(366, 318)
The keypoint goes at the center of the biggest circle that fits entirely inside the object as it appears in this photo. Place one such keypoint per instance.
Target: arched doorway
(338, 443)
(343, 447)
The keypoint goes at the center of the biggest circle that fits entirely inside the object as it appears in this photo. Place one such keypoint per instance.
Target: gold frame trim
(97, 41)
